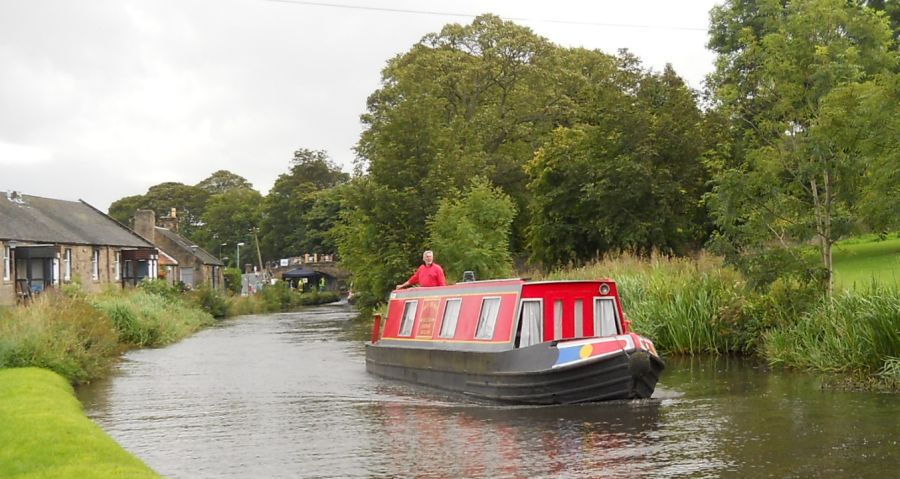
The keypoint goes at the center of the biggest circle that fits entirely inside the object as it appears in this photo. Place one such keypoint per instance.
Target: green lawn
(859, 262)
(45, 434)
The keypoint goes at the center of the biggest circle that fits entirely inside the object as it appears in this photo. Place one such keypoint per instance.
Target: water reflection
(492, 441)
(287, 395)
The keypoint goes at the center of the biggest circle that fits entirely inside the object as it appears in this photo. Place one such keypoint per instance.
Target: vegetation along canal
(287, 395)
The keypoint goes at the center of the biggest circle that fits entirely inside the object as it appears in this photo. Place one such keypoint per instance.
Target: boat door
(531, 323)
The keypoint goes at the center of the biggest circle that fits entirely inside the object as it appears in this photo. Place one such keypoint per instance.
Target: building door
(187, 276)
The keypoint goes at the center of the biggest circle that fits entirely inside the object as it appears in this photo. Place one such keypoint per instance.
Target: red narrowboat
(544, 342)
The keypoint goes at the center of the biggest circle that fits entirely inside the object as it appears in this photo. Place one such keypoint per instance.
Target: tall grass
(80, 336)
(691, 306)
(856, 332)
(145, 319)
(685, 305)
(66, 335)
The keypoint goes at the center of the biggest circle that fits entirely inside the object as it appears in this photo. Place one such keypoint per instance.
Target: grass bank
(866, 260)
(45, 434)
(696, 306)
(80, 336)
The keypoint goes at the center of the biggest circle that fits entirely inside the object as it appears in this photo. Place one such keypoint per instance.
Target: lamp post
(238, 255)
(220, 249)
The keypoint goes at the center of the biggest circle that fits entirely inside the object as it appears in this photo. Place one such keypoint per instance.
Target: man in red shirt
(429, 274)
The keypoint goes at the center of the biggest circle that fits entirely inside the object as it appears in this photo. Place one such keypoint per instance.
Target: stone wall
(82, 265)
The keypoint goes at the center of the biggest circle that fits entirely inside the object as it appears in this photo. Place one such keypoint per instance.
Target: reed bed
(687, 306)
(855, 332)
(699, 305)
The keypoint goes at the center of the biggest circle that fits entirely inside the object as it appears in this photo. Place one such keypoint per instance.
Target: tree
(782, 71)
(628, 178)
(472, 233)
(286, 228)
(373, 238)
(222, 181)
(230, 218)
(473, 99)
(189, 203)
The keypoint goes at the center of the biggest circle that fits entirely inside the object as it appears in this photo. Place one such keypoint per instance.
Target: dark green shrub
(210, 301)
(232, 280)
(160, 288)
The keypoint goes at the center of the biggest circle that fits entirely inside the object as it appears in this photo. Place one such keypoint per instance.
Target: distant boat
(546, 342)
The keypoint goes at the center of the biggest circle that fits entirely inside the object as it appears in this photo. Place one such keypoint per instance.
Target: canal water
(287, 395)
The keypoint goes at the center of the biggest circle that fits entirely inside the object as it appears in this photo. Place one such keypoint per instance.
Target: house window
(67, 265)
(605, 317)
(118, 266)
(409, 316)
(451, 316)
(95, 265)
(490, 308)
(6, 266)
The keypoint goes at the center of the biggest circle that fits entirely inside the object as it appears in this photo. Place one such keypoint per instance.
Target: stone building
(46, 243)
(195, 266)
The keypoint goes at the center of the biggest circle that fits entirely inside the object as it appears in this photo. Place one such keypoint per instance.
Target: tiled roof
(187, 245)
(45, 220)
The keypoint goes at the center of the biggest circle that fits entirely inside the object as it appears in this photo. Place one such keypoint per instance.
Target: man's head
(428, 257)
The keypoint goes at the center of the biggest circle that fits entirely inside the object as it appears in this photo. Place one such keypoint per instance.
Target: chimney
(169, 222)
(144, 224)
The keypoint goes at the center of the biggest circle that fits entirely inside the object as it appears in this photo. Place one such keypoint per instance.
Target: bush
(210, 301)
(232, 280)
(161, 288)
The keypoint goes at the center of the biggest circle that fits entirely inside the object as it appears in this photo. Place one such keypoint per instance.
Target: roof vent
(468, 276)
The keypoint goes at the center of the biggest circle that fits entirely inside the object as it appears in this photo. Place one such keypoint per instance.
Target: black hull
(521, 376)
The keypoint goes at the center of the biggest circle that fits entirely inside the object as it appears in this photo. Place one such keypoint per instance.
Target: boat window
(579, 318)
(605, 317)
(490, 307)
(409, 315)
(557, 319)
(532, 331)
(451, 315)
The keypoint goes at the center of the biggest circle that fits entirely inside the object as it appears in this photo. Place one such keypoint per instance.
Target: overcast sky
(101, 99)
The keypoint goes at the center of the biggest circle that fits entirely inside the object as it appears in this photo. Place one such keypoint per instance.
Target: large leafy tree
(188, 201)
(786, 76)
(471, 233)
(471, 100)
(630, 177)
(231, 217)
(222, 181)
(292, 217)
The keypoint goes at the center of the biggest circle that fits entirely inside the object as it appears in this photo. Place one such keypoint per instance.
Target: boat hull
(526, 376)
